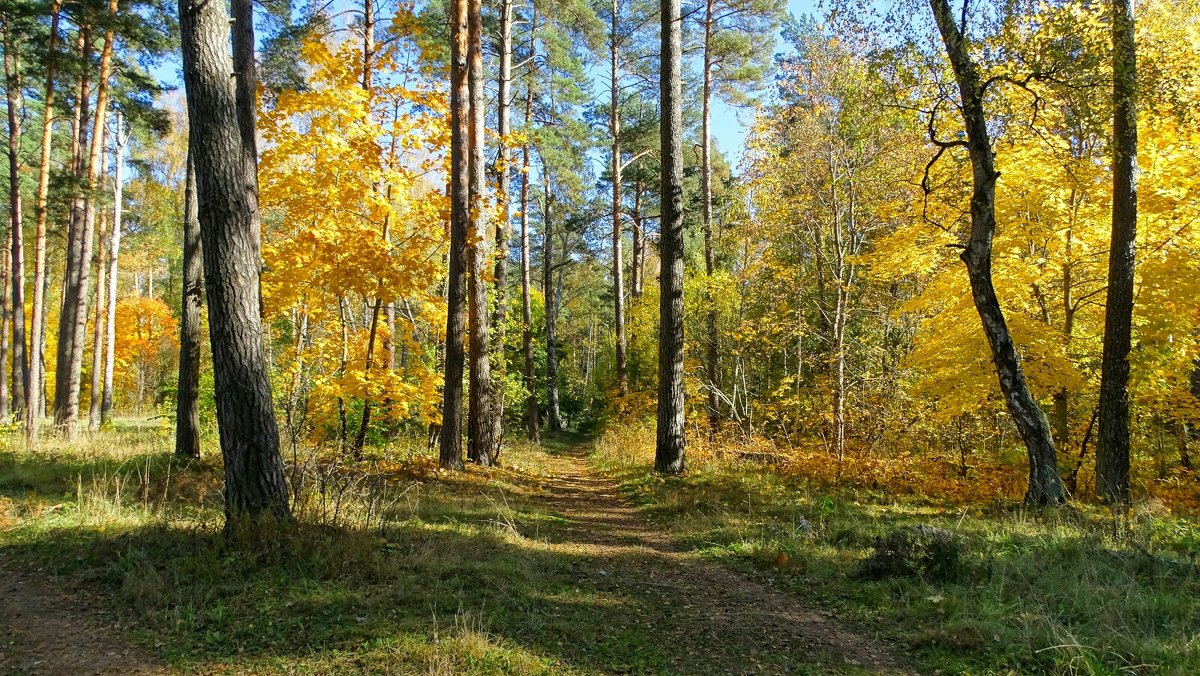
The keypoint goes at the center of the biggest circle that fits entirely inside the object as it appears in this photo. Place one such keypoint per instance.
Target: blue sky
(729, 125)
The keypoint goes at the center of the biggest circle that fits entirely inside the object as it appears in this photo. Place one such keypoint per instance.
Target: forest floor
(47, 630)
(572, 557)
(113, 563)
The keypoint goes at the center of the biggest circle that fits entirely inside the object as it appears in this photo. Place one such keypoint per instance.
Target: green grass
(392, 570)
(394, 567)
(1060, 591)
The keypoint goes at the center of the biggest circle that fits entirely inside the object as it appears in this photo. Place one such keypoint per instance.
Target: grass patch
(390, 567)
(1062, 590)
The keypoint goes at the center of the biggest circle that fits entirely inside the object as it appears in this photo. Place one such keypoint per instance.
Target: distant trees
(832, 311)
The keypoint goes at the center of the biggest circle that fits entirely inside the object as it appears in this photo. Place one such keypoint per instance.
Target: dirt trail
(50, 631)
(718, 617)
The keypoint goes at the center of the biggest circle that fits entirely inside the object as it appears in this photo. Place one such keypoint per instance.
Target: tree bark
(669, 446)
(1112, 445)
(360, 439)
(101, 262)
(460, 206)
(550, 293)
(480, 411)
(16, 262)
(618, 270)
(227, 206)
(5, 323)
(1045, 484)
(638, 264)
(532, 421)
(712, 370)
(504, 225)
(187, 403)
(33, 371)
(114, 254)
(73, 319)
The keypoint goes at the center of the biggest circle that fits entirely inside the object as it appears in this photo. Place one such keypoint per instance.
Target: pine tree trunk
(504, 226)
(638, 264)
(669, 446)
(460, 205)
(73, 319)
(532, 421)
(187, 403)
(97, 391)
(712, 367)
(1045, 484)
(550, 293)
(1112, 446)
(227, 204)
(114, 254)
(618, 262)
(16, 262)
(5, 325)
(479, 405)
(33, 371)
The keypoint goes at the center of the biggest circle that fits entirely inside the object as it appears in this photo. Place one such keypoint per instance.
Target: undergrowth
(1067, 590)
(390, 565)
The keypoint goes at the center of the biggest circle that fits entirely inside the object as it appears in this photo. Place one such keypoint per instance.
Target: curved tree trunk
(227, 205)
(669, 446)
(1045, 484)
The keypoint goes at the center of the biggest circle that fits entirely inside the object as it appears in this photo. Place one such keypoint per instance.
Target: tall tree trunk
(638, 264)
(33, 371)
(1112, 446)
(532, 422)
(360, 440)
(614, 129)
(97, 384)
(16, 263)
(669, 446)
(5, 324)
(227, 204)
(712, 367)
(479, 405)
(460, 206)
(187, 403)
(1045, 484)
(73, 319)
(114, 254)
(550, 293)
(504, 224)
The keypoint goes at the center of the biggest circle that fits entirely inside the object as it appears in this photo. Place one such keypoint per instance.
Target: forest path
(52, 631)
(705, 616)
